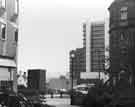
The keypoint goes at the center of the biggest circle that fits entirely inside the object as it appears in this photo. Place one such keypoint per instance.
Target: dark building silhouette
(77, 63)
(122, 42)
(37, 79)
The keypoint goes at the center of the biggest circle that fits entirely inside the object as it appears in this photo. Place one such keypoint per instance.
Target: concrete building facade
(122, 43)
(9, 11)
(95, 49)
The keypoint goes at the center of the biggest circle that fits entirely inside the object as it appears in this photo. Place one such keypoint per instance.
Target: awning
(7, 63)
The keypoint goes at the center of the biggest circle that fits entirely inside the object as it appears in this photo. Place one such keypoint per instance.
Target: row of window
(98, 37)
(97, 25)
(16, 8)
(97, 41)
(98, 33)
(3, 33)
(98, 30)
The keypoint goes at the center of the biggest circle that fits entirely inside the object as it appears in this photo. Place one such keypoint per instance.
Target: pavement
(59, 102)
(57, 96)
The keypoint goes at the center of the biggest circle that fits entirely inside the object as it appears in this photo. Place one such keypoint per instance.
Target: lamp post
(72, 55)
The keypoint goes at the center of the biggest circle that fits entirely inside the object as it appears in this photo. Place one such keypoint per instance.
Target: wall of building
(42, 80)
(77, 64)
(11, 45)
(37, 79)
(8, 45)
(1, 41)
(4, 74)
(122, 42)
(87, 32)
(95, 32)
(97, 47)
(58, 83)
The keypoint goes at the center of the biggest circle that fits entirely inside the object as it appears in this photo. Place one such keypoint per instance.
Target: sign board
(93, 75)
(89, 75)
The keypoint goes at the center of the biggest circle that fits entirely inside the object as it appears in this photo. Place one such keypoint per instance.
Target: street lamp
(72, 56)
(72, 66)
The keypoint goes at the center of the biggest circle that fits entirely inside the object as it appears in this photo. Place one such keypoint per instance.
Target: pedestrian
(61, 93)
(51, 94)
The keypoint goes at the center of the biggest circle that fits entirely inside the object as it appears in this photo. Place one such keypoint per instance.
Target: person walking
(51, 94)
(61, 94)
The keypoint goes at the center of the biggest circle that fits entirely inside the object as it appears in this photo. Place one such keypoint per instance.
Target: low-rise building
(37, 79)
(59, 83)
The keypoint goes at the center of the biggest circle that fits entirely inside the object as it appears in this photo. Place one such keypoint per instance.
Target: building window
(3, 31)
(3, 3)
(124, 40)
(16, 35)
(124, 51)
(122, 37)
(16, 7)
(123, 13)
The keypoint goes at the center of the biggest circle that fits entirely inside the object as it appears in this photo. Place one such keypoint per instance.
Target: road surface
(59, 102)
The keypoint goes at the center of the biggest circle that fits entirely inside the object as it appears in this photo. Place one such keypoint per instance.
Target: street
(59, 102)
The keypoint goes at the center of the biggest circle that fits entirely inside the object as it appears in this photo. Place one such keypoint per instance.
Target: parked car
(79, 92)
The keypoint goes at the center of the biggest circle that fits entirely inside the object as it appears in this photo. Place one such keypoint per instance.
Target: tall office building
(37, 79)
(95, 48)
(9, 10)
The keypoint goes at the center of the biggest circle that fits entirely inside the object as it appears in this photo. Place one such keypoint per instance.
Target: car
(79, 92)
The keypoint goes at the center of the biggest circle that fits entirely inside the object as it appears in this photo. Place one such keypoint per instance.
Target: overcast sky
(49, 29)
